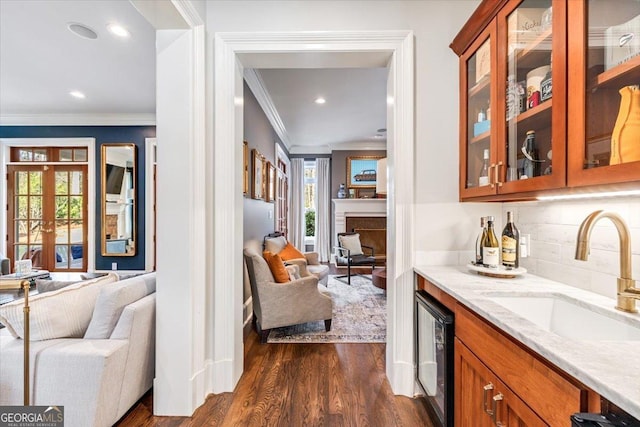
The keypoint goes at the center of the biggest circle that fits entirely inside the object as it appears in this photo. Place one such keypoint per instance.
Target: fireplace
(365, 216)
(373, 232)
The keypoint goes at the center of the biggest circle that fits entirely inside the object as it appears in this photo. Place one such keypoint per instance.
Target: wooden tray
(500, 272)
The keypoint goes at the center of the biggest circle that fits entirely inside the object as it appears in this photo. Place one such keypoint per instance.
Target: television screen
(115, 174)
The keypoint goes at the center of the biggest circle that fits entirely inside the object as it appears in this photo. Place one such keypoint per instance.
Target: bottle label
(490, 256)
(509, 251)
(483, 180)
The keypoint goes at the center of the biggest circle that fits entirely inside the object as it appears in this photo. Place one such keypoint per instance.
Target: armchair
(4, 265)
(309, 265)
(349, 252)
(284, 304)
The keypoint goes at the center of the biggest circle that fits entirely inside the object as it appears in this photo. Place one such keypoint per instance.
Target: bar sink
(563, 316)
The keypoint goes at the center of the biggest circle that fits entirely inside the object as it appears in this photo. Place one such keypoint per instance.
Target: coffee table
(379, 278)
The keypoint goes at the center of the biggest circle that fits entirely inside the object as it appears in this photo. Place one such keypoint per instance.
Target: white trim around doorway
(233, 52)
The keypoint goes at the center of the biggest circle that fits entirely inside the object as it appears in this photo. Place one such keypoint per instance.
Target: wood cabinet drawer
(551, 395)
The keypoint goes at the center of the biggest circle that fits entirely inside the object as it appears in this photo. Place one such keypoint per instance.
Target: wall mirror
(118, 199)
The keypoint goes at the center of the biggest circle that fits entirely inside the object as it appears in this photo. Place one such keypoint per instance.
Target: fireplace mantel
(343, 208)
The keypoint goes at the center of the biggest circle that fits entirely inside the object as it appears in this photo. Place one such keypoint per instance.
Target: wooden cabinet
(499, 381)
(483, 399)
(539, 92)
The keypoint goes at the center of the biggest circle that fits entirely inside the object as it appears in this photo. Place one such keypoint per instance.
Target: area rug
(359, 316)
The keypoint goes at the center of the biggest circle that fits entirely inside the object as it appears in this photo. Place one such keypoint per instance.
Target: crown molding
(78, 120)
(256, 84)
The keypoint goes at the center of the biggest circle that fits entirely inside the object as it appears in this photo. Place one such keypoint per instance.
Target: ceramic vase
(625, 139)
(342, 192)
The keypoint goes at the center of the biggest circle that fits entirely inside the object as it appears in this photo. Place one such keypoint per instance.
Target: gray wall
(258, 217)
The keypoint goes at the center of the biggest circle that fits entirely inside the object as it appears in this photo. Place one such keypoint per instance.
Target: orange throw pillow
(290, 252)
(280, 273)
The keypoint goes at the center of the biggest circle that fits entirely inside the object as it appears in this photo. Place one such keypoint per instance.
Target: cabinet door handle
(494, 409)
(485, 390)
(497, 174)
(491, 183)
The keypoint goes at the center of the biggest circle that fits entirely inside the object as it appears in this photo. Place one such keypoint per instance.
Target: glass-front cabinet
(476, 144)
(515, 100)
(604, 96)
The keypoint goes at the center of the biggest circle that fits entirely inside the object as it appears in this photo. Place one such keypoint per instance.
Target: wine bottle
(480, 239)
(490, 246)
(510, 244)
(483, 179)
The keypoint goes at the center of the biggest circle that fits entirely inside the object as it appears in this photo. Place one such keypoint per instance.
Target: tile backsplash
(553, 227)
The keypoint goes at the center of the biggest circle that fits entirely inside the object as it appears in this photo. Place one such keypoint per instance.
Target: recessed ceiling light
(118, 30)
(382, 130)
(77, 94)
(81, 30)
(320, 100)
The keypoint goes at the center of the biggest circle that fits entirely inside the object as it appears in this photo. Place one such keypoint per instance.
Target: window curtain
(323, 211)
(296, 231)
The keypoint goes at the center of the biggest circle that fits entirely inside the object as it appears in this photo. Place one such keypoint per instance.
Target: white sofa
(103, 363)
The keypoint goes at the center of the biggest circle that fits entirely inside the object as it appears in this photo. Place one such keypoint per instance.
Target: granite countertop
(610, 368)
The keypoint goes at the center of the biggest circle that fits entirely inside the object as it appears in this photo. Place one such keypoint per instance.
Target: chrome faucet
(627, 290)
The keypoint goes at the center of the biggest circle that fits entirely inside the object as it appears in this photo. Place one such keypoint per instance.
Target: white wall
(554, 226)
(435, 24)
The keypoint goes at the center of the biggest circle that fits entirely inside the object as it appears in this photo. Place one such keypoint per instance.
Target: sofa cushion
(47, 285)
(64, 313)
(279, 272)
(275, 244)
(351, 242)
(290, 252)
(113, 299)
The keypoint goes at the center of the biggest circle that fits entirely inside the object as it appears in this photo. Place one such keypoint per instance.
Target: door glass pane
(21, 207)
(612, 75)
(35, 253)
(62, 207)
(35, 231)
(40, 155)
(22, 183)
(62, 256)
(76, 182)
(66, 155)
(529, 90)
(77, 232)
(479, 116)
(75, 207)
(22, 231)
(35, 207)
(62, 182)
(35, 182)
(25, 155)
(80, 155)
(62, 231)
(19, 251)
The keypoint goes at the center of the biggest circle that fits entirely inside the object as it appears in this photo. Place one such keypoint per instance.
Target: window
(310, 182)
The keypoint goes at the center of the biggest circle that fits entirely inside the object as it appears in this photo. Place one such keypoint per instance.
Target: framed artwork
(245, 168)
(271, 182)
(258, 181)
(362, 171)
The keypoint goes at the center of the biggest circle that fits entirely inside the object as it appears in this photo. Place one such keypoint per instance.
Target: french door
(47, 216)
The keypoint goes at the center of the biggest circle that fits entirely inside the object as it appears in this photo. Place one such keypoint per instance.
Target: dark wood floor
(301, 385)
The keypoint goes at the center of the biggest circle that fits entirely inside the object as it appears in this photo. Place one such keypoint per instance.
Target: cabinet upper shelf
(608, 77)
(534, 54)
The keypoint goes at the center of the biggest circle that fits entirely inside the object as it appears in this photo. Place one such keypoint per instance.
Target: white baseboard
(402, 378)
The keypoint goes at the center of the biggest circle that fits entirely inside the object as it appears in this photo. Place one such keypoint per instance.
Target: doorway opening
(234, 52)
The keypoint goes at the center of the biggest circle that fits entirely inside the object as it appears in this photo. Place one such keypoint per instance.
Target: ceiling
(41, 61)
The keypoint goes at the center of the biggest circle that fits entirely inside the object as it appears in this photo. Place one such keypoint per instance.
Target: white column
(179, 386)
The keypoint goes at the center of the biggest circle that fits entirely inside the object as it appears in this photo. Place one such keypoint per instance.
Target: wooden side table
(379, 278)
